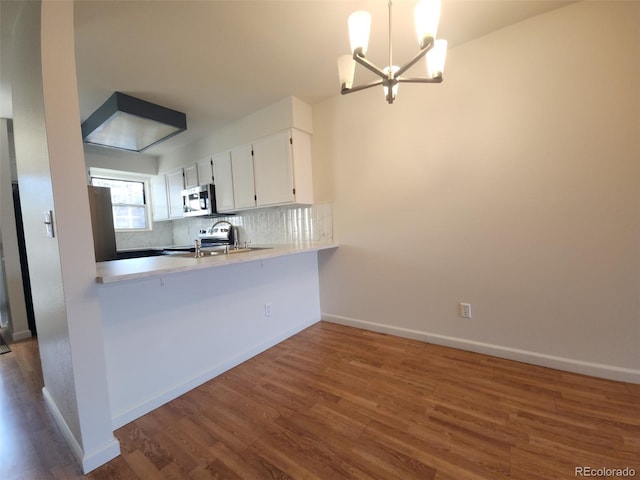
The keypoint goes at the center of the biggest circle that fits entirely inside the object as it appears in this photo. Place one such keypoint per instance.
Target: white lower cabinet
(244, 194)
(223, 181)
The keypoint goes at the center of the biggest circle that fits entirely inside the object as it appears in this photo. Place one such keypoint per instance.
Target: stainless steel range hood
(128, 123)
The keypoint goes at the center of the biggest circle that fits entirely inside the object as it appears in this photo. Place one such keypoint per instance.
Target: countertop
(136, 268)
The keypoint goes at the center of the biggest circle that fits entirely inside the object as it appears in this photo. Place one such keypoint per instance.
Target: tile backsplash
(268, 226)
(161, 235)
(265, 226)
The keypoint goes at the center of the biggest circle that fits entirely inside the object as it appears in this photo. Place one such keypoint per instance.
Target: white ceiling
(219, 60)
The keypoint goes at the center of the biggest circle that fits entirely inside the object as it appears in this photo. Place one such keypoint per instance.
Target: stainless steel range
(220, 233)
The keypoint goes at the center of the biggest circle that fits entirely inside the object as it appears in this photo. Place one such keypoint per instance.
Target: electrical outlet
(267, 309)
(465, 310)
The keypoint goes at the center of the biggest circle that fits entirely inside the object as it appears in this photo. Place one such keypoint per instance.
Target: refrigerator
(104, 235)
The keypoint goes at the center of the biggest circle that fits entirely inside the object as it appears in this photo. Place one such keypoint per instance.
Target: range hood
(128, 123)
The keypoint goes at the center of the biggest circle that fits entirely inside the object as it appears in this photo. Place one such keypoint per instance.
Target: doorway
(24, 264)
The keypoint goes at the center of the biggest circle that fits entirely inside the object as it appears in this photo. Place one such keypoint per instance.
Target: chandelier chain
(390, 42)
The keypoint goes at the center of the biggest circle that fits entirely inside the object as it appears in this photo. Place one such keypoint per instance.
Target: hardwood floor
(31, 446)
(336, 402)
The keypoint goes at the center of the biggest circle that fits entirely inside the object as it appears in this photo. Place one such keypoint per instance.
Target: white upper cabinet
(159, 199)
(205, 171)
(302, 167)
(223, 182)
(244, 194)
(175, 185)
(282, 165)
(200, 173)
(273, 169)
(191, 176)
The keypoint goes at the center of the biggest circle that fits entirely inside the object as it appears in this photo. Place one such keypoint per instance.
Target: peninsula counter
(171, 323)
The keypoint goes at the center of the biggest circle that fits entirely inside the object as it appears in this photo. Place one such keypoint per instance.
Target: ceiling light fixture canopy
(426, 17)
(128, 123)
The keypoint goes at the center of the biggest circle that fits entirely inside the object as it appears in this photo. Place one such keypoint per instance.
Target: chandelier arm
(357, 88)
(428, 45)
(436, 79)
(359, 58)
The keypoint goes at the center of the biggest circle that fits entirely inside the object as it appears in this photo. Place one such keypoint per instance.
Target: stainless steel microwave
(199, 201)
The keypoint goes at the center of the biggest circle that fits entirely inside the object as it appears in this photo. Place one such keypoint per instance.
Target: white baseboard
(88, 461)
(21, 335)
(123, 417)
(609, 372)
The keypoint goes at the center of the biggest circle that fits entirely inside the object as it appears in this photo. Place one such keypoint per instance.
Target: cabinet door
(244, 194)
(159, 199)
(224, 181)
(302, 167)
(191, 176)
(175, 185)
(205, 172)
(273, 168)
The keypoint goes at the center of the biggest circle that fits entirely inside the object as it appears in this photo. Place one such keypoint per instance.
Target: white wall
(514, 185)
(51, 173)
(121, 160)
(287, 113)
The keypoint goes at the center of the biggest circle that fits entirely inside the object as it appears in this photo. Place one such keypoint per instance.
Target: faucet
(198, 252)
(233, 234)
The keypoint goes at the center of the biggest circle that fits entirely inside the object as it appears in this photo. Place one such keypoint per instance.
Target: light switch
(48, 223)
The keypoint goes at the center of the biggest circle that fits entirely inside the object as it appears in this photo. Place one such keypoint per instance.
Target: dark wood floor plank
(139, 462)
(116, 469)
(377, 456)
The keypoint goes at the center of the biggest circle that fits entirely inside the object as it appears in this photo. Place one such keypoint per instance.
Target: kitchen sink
(247, 249)
(203, 254)
(217, 252)
(151, 252)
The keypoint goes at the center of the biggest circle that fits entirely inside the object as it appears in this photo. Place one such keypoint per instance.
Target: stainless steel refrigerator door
(104, 235)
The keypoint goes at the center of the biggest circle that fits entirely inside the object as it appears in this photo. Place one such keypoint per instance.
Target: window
(129, 198)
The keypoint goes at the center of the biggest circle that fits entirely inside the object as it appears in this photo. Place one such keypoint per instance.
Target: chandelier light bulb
(436, 58)
(346, 70)
(427, 18)
(359, 30)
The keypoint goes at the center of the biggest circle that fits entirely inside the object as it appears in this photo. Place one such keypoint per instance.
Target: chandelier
(426, 17)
